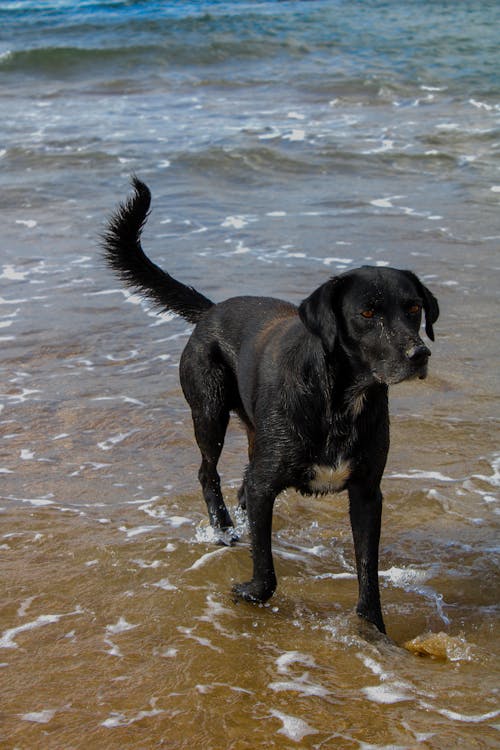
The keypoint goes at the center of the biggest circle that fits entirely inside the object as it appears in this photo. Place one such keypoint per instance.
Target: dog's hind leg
(210, 430)
(207, 388)
(250, 430)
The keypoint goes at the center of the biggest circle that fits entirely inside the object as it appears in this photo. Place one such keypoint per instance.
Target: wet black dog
(309, 383)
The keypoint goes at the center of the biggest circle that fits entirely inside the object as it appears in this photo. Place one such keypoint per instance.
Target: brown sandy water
(117, 629)
(119, 632)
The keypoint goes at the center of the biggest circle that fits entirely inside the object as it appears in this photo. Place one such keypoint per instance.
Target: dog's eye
(414, 309)
(367, 313)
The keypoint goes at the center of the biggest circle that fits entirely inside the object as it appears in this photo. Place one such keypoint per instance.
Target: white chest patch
(330, 478)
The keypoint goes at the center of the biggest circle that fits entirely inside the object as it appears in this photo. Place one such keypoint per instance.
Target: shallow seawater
(283, 143)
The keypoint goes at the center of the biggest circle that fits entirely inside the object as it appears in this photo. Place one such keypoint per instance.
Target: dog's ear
(317, 312)
(431, 306)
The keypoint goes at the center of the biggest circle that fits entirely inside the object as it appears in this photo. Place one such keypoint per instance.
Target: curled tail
(123, 252)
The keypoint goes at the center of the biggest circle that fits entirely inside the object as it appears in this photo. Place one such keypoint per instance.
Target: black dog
(309, 384)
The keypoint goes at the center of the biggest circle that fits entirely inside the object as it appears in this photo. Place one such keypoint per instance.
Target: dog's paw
(253, 591)
(371, 619)
(226, 537)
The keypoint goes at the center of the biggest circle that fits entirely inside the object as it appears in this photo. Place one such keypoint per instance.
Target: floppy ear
(431, 306)
(318, 315)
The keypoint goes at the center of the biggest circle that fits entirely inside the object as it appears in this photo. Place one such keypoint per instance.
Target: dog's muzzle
(418, 354)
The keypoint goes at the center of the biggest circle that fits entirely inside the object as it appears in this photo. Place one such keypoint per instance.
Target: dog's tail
(121, 242)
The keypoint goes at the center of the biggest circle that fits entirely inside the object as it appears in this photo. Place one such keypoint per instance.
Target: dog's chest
(325, 478)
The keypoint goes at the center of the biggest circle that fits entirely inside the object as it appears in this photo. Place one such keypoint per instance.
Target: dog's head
(374, 314)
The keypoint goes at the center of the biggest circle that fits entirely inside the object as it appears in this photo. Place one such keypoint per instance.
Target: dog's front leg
(259, 505)
(365, 509)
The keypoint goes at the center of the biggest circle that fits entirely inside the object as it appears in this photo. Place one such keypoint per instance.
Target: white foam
(87, 465)
(9, 272)
(275, 133)
(419, 474)
(494, 478)
(137, 530)
(206, 534)
(212, 611)
(385, 694)
(405, 576)
(386, 202)
(39, 717)
(205, 642)
(144, 565)
(293, 727)
(235, 222)
(39, 502)
(204, 559)
(288, 658)
(295, 135)
(448, 126)
(25, 605)
(107, 445)
(333, 259)
(374, 666)
(119, 719)
(19, 398)
(125, 399)
(241, 249)
(386, 145)
(165, 584)
(147, 507)
(121, 626)
(301, 685)
(29, 223)
(8, 636)
(456, 716)
(4, 301)
(133, 297)
(481, 105)
(177, 521)
(336, 576)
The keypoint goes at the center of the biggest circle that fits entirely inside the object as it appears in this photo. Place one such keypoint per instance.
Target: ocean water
(283, 142)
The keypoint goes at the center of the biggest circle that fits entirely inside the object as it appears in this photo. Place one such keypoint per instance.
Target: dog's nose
(417, 353)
